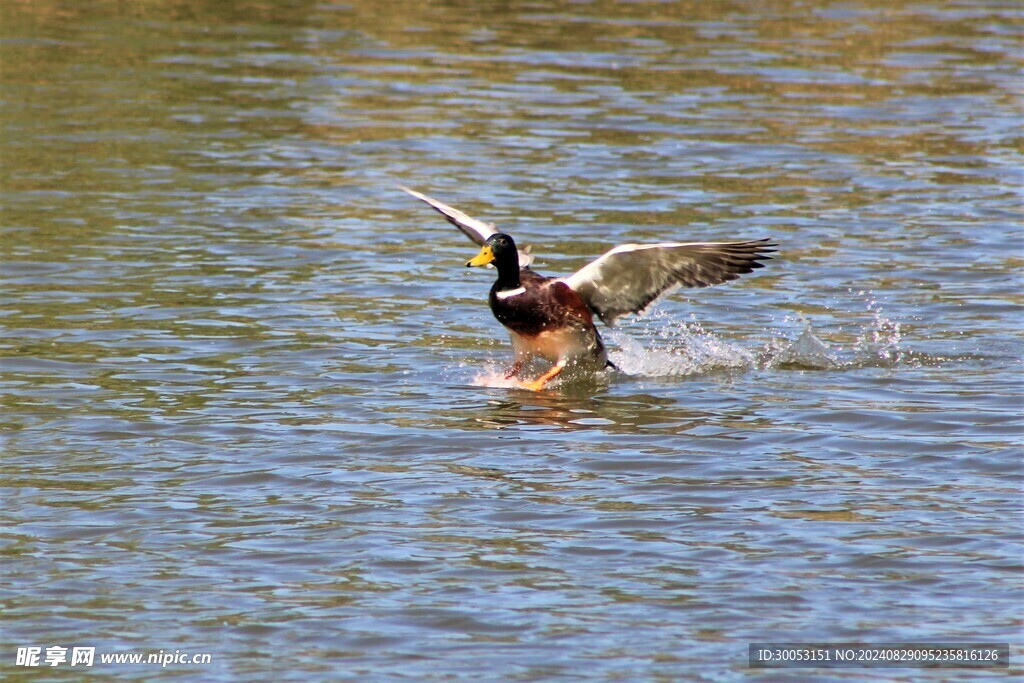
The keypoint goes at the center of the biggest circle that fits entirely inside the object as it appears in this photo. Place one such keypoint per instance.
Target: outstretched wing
(630, 277)
(474, 229)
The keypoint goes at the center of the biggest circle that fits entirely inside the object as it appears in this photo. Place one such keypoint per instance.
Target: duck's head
(498, 249)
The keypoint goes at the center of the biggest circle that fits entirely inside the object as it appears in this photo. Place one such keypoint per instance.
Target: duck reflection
(579, 408)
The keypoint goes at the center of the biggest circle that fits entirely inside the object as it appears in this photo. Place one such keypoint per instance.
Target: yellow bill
(485, 256)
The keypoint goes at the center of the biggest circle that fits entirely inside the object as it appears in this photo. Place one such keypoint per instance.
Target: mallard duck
(553, 317)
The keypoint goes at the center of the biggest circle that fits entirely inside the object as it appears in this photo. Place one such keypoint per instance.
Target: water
(252, 399)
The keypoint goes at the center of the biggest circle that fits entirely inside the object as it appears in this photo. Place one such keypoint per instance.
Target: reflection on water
(252, 401)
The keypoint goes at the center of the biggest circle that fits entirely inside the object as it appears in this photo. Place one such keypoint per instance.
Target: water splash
(806, 352)
(493, 376)
(880, 342)
(668, 347)
(689, 350)
(681, 349)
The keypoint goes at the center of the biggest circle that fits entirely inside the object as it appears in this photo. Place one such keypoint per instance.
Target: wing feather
(631, 277)
(474, 229)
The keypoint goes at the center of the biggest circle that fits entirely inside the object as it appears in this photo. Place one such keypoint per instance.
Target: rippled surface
(249, 397)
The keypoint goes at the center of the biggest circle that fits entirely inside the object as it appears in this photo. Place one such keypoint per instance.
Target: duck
(552, 318)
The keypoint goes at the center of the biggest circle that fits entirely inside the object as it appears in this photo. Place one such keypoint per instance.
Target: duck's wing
(474, 229)
(631, 277)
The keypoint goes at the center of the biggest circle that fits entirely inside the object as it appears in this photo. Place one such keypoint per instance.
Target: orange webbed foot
(538, 384)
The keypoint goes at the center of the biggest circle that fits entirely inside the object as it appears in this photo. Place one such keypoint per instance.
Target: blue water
(253, 402)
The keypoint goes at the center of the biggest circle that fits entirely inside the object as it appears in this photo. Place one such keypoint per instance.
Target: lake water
(251, 403)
